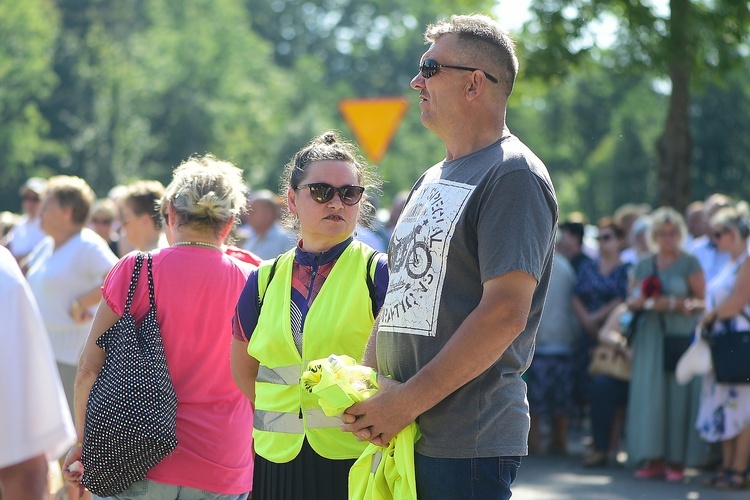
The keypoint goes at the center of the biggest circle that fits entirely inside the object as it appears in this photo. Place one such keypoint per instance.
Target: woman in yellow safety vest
(317, 299)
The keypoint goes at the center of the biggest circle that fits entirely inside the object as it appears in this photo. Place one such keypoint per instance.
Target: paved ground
(564, 478)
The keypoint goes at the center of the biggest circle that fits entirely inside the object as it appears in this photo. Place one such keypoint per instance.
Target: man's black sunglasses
(323, 193)
(430, 67)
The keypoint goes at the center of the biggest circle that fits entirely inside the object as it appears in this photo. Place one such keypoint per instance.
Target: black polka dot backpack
(132, 407)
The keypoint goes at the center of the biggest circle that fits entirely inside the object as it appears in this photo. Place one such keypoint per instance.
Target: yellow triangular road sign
(374, 122)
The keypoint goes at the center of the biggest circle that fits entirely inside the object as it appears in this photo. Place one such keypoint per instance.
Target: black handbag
(674, 347)
(730, 354)
(132, 407)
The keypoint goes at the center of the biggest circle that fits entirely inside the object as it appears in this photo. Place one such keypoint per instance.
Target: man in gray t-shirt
(470, 262)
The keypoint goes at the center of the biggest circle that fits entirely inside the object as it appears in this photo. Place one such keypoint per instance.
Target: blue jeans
(152, 490)
(465, 478)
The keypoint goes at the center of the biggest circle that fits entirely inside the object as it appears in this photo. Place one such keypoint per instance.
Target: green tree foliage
(370, 43)
(688, 43)
(595, 132)
(115, 91)
(144, 88)
(26, 78)
(337, 49)
(722, 138)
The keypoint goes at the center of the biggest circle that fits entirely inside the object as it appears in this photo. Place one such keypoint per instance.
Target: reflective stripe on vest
(274, 421)
(290, 423)
(283, 375)
(315, 418)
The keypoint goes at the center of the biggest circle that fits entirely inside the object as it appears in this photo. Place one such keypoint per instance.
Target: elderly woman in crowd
(26, 233)
(140, 221)
(317, 299)
(104, 215)
(66, 271)
(602, 285)
(724, 414)
(196, 287)
(660, 435)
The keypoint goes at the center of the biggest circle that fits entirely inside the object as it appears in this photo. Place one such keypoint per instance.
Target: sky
(512, 13)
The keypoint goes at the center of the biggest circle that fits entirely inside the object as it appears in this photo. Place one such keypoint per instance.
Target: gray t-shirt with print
(468, 220)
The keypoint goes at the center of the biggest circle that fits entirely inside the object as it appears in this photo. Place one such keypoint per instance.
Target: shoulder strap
(134, 281)
(370, 279)
(151, 298)
(262, 287)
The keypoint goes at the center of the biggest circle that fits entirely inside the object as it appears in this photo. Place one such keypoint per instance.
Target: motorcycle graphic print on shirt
(418, 254)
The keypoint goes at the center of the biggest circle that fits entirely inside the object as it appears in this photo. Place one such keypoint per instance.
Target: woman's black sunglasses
(430, 67)
(323, 193)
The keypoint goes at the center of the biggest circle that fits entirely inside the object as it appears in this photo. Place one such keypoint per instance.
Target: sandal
(674, 474)
(651, 470)
(734, 480)
(719, 475)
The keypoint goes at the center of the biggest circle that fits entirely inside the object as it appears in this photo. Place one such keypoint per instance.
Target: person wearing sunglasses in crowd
(104, 213)
(724, 412)
(27, 233)
(317, 299)
(601, 286)
(468, 278)
(660, 439)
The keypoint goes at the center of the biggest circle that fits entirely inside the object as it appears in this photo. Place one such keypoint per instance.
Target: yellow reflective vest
(339, 321)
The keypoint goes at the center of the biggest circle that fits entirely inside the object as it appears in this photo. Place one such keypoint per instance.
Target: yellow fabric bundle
(387, 472)
(381, 472)
(339, 382)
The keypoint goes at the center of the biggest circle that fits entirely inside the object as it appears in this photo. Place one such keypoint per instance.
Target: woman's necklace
(196, 244)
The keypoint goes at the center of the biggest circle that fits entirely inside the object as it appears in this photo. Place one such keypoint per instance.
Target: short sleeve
(247, 311)
(516, 225)
(117, 282)
(643, 268)
(693, 264)
(381, 280)
(99, 259)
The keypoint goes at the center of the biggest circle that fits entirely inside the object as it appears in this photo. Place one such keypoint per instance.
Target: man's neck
(470, 141)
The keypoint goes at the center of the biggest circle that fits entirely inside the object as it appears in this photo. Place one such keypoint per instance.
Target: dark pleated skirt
(308, 477)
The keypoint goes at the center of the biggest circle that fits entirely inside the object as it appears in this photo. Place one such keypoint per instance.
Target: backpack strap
(262, 287)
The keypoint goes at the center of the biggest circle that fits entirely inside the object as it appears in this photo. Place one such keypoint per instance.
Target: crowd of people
(445, 299)
(655, 279)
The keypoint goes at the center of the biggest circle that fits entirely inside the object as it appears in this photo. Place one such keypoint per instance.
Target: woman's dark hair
(609, 223)
(330, 146)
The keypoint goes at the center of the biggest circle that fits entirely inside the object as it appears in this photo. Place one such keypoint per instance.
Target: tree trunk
(675, 144)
